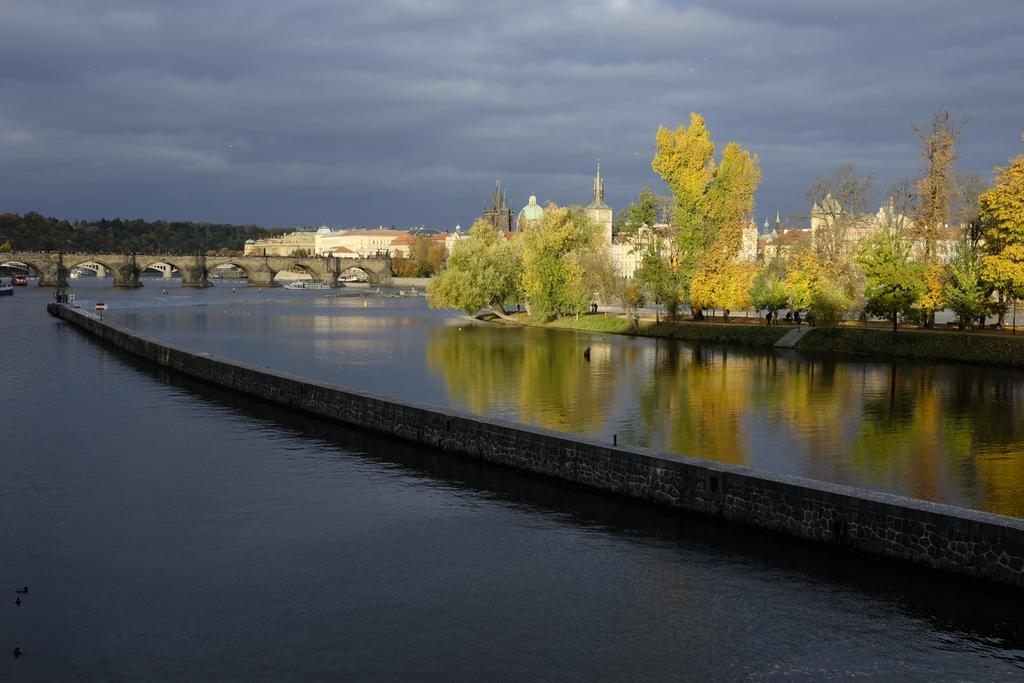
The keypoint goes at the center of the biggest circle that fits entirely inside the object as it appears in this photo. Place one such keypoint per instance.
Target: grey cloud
(405, 112)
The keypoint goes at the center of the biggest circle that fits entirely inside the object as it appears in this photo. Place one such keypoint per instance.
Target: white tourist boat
(6, 286)
(306, 284)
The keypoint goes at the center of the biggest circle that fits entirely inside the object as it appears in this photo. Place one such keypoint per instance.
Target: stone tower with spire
(500, 213)
(598, 211)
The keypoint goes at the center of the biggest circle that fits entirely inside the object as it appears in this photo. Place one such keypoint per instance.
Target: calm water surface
(948, 433)
(168, 530)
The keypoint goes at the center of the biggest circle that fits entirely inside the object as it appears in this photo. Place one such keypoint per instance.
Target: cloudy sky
(404, 112)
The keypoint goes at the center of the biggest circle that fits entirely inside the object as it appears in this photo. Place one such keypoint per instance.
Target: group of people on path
(792, 317)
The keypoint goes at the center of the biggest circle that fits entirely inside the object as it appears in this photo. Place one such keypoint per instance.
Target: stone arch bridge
(53, 267)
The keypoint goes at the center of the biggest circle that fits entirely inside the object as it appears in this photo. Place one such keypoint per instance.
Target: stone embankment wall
(967, 542)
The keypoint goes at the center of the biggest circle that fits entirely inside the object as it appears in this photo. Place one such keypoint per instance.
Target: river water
(170, 530)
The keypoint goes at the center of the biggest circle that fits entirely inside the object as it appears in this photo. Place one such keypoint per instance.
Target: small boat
(20, 281)
(306, 284)
(6, 286)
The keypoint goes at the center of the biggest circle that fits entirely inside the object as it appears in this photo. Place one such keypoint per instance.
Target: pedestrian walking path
(790, 339)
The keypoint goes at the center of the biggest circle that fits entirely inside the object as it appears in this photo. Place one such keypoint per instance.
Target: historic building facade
(299, 242)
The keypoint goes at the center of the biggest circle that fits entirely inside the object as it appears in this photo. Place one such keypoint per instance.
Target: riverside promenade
(941, 537)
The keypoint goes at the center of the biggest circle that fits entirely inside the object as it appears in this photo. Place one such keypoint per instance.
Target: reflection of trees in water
(696, 398)
(946, 433)
(813, 400)
(904, 437)
(952, 433)
(542, 376)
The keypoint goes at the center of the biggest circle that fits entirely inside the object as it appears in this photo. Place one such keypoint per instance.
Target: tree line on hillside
(945, 242)
(35, 232)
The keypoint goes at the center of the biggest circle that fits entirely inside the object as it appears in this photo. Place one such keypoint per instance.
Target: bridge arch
(297, 266)
(239, 262)
(346, 271)
(29, 266)
(112, 267)
(147, 263)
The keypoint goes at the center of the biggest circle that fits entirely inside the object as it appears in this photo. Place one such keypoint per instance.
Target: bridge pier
(195, 274)
(127, 276)
(51, 277)
(375, 278)
(261, 276)
(328, 272)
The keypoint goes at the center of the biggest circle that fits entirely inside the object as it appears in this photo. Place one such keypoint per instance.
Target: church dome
(531, 212)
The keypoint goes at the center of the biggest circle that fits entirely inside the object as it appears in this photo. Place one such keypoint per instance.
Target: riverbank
(935, 345)
(942, 537)
(983, 347)
(738, 333)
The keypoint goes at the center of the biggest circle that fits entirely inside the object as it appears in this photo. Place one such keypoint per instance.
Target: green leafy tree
(895, 281)
(964, 291)
(829, 303)
(767, 292)
(483, 273)
(6, 246)
(657, 280)
(554, 277)
(643, 213)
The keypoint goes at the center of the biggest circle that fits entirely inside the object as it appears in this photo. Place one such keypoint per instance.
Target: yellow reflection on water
(936, 432)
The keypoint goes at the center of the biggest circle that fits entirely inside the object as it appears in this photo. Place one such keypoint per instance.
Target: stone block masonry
(967, 542)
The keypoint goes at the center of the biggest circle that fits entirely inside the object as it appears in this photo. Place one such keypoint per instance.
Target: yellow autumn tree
(712, 204)
(1002, 211)
(722, 282)
(933, 298)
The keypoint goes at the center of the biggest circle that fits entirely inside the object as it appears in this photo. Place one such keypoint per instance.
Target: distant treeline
(35, 232)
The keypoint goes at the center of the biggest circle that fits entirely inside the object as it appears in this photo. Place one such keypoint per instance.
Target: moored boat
(6, 286)
(306, 284)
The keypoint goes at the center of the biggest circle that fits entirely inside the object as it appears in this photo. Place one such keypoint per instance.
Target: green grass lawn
(595, 322)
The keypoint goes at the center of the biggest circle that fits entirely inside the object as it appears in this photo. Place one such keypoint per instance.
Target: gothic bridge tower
(500, 213)
(598, 211)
